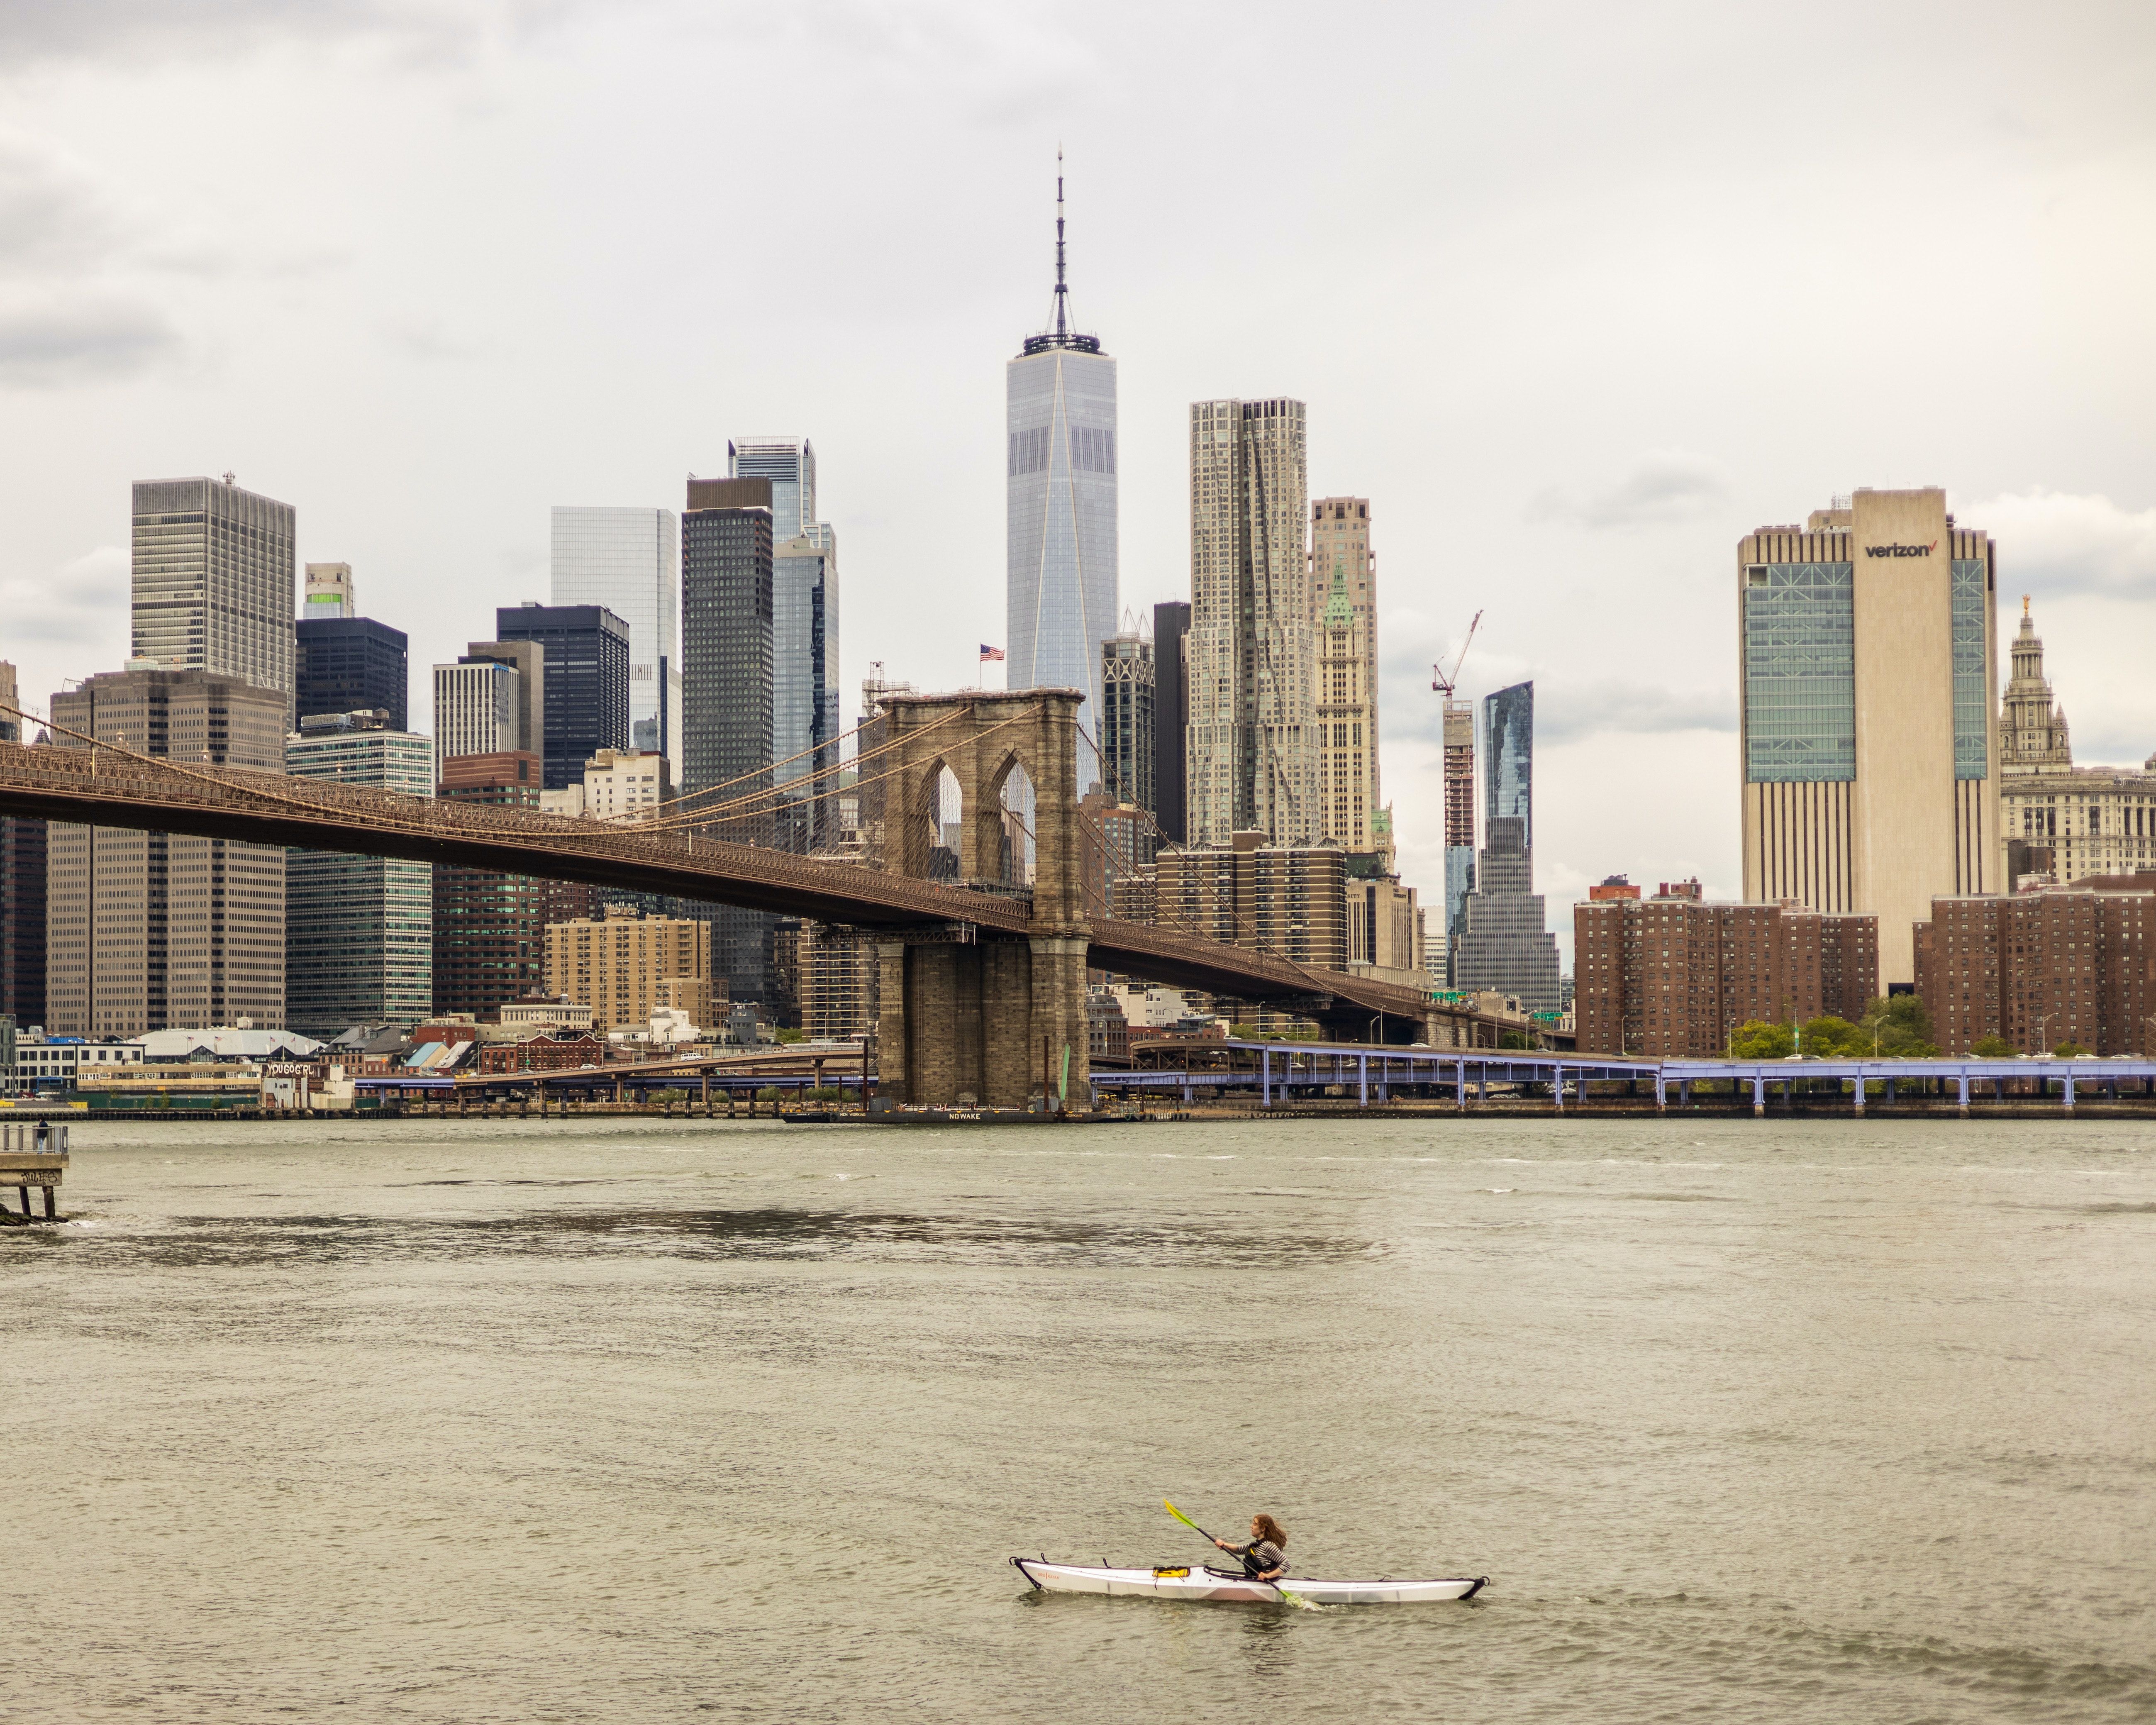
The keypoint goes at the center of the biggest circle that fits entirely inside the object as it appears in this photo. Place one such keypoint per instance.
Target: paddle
(1295, 1599)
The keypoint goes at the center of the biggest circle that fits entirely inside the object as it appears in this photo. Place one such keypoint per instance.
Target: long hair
(1268, 1528)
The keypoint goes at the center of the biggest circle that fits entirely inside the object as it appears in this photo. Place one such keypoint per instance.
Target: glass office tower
(1504, 943)
(805, 636)
(588, 681)
(1059, 508)
(628, 560)
(359, 931)
(726, 700)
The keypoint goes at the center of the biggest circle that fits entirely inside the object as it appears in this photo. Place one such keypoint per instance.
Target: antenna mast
(1062, 292)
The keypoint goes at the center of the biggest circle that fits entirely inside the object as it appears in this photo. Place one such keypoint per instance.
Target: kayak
(1232, 1586)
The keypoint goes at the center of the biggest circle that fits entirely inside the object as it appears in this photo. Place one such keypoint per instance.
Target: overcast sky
(1577, 294)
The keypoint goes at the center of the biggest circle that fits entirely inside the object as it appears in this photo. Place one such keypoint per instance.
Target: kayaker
(1263, 1557)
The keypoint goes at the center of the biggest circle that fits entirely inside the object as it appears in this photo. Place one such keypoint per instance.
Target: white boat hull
(1230, 1587)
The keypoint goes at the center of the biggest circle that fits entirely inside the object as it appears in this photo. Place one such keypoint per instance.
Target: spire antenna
(1059, 332)
(1062, 290)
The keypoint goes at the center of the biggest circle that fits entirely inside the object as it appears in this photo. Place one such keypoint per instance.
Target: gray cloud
(2057, 543)
(83, 603)
(57, 341)
(415, 31)
(1663, 485)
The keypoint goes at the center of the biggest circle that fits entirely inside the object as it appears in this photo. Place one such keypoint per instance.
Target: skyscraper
(789, 463)
(488, 935)
(1252, 666)
(1871, 769)
(347, 663)
(1343, 586)
(480, 706)
(328, 594)
(727, 694)
(804, 637)
(1458, 719)
(1129, 703)
(1059, 505)
(358, 930)
(158, 930)
(1171, 630)
(212, 581)
(586, 681)
(1504, 942)
(630, 561)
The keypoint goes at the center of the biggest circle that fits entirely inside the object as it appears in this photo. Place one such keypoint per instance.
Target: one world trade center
(1061, 504)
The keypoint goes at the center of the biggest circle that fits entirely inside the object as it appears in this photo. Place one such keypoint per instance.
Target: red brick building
(2065, 964)
(560, 1053)
(1673, 976)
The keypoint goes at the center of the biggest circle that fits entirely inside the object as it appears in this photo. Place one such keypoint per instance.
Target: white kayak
(1232, 1586)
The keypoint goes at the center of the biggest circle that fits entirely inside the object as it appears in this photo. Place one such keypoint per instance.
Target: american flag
(990, 654)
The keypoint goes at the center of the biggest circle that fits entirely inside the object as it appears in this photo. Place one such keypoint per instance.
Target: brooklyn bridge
(981, 988)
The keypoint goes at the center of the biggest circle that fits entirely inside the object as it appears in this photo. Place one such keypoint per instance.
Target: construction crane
(1438, 680)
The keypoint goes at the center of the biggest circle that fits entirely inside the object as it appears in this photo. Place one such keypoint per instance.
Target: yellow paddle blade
(1180, 1517)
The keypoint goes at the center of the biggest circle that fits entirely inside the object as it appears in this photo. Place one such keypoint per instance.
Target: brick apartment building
(2067, 964)
(1673, 976)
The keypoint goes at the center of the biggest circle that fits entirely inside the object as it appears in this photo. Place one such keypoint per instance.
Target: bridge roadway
(102, 787)
(1277, 1070)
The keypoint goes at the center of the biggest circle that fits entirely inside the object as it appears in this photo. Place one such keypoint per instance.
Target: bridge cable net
(387, 806)
(1245, 924)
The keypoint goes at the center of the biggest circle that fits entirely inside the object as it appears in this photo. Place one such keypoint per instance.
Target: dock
(33, 1153)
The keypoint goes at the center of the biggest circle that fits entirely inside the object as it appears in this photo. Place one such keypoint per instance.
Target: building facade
(146, 931)
(727, 695)
(1251, 756)
(1288, 899)
(1343, 588)
(586, 681)
(1059, 501)
(1503, 940)
(2039, 970)
(1674, 977)
(1870, 753)
(616, 965)
(326, 592)
(23, 851)
(477, 709)
(1171, 717)
(630, 561)
(617, 785)
(2058, 820)
(1130, 697)
(488, 946)
(359, 937)
(1459, 721)
(352, 665)
(212, 582)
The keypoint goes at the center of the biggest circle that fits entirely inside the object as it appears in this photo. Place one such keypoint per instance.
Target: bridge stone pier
(968, 1011)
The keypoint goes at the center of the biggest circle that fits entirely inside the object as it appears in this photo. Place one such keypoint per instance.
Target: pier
(33, 1153)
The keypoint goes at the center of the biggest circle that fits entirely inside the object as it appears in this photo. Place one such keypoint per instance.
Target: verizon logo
(1901, 550)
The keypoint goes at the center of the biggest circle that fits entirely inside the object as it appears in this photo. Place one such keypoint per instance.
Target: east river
(618, 1420)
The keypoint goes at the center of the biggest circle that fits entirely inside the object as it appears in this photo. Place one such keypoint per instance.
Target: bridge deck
(101, 788)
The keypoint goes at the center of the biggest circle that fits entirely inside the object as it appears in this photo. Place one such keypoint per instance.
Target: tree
(2067, 1050)
(784, 1034)
(1833, 1039)
(1758, 1041)
(1901, 1028)
(1993, 1047)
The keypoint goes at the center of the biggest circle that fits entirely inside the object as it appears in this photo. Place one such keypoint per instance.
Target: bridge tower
(967, 1011)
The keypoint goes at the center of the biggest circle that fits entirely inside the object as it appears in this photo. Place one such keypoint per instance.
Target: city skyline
(1596, 441)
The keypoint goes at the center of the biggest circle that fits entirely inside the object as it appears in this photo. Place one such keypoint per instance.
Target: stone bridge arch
(966, 1011)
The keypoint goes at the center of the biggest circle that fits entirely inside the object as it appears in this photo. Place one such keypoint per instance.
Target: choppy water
(617, 1421)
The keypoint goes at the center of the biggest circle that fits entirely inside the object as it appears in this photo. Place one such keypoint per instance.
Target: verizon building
(1870, 756)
